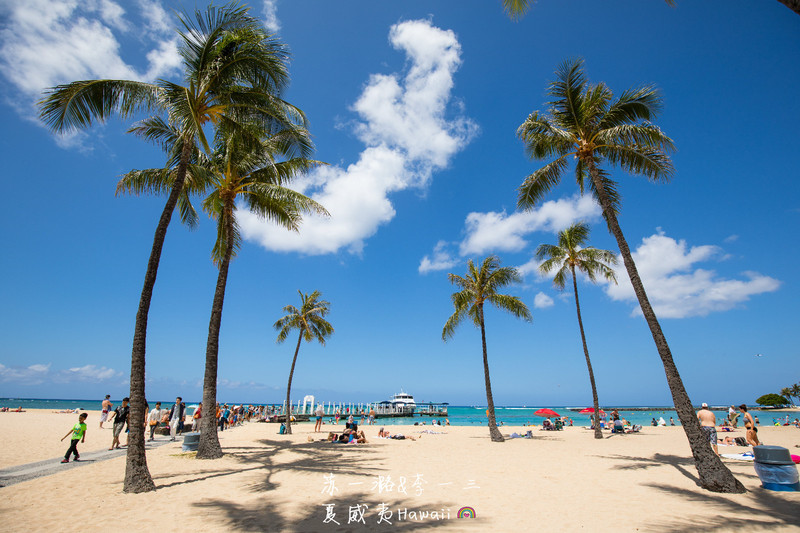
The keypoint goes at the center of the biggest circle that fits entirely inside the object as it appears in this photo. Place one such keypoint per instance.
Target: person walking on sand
(749, 424)
(733, 416)
(78, 432)
(120, 417)
(196, 416)
(319, 413)
(176, 415)
(708, 423)
(107, 405)
(154, 419)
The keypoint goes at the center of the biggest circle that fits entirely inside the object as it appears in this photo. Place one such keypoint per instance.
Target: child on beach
(78, 434)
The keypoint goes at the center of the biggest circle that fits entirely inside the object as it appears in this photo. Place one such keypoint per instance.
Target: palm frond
(568, 91)
(543, 139)
(633, 105)
(76, 105)
(648, 161)
(515, 9)
(541, 182)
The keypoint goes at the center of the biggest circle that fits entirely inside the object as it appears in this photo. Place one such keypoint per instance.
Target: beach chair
(558, 425)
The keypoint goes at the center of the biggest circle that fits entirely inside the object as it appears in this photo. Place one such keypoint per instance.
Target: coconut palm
(567, 256)
(796, 390)
(587, 124)
(256, 173)
(232, 69)
(479, 287)
(310, 321)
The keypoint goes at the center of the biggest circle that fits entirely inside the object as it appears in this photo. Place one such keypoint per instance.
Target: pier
(304, 410)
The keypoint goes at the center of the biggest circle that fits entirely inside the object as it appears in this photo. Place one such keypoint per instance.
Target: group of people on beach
(708, 423)
(120, 419)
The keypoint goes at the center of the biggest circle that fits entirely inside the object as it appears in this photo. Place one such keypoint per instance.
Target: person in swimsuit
(106, 408)
(750, 426)
(708, 423)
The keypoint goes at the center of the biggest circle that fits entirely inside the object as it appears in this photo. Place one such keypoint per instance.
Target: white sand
(558, 481)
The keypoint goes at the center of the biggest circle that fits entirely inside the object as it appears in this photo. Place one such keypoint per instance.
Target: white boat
(403, 401)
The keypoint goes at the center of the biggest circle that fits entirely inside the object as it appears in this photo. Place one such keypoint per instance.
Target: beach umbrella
(546, 412)
(590, 410)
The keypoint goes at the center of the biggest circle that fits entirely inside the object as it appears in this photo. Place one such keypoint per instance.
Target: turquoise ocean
(458, 415)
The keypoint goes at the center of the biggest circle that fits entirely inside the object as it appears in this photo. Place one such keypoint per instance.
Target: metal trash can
(192, 440)
(775, 468)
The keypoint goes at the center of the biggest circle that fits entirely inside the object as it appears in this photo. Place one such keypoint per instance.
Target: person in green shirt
(78, 432)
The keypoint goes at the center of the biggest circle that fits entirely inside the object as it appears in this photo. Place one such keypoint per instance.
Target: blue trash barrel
(191, 441)
(775, 468)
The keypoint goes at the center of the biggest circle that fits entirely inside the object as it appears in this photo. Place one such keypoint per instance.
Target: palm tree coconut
(310, 322)
(587, 124)
(231, 69)
(479, 287)
(565, 257)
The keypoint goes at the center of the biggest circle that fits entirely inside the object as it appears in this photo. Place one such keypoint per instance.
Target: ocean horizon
(458, 415)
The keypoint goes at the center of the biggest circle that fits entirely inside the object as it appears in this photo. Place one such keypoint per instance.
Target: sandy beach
(560, 481)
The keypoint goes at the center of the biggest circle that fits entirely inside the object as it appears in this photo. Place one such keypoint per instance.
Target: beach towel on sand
(747, 456)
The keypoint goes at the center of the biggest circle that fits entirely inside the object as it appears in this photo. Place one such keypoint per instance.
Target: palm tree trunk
(289, 387)
(137, 475)
(598, 433)
(714, 475)
(493, 431)
(794, 5)
(209, 447)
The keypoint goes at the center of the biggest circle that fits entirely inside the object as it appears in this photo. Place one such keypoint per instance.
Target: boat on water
(403, 400)
(401, 404)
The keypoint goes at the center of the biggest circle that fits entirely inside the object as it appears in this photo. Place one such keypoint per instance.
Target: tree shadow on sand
(337, 514)
(684, 465)
(314, 457)
(759, 509)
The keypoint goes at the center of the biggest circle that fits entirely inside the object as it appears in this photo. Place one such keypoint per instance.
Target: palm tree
(477, 288)
(585, 123)
(310, 321)
(796, 390)
(565, 257)
(256, 172)
(231, 69)
(786, 392)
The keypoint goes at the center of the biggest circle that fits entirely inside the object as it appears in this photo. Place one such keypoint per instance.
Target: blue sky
(414, 105)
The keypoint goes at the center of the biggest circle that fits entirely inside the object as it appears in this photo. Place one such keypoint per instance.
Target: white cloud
(407, 138)
(542, 301)
(271, 22)
(676, 289)
(44, 43)
(442, 259)
(91, 373)
(492, 231)
(158, 20)
(37, 374)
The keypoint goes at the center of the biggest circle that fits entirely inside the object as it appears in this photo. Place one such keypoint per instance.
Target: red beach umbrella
(546, 412)
(590, 410)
